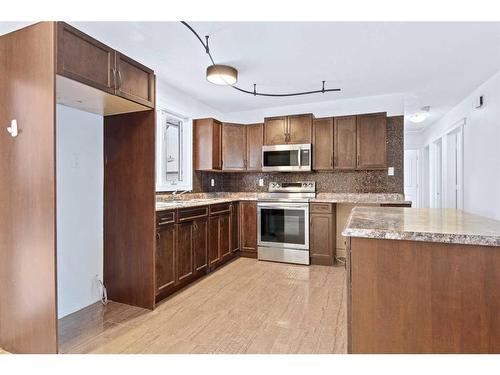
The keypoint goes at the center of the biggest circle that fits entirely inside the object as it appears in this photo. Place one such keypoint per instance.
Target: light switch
(390, 171)
(212, 182)
(261, 182)
(75, 160)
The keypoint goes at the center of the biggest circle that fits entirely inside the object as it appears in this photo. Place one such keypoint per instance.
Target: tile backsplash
(326, 182)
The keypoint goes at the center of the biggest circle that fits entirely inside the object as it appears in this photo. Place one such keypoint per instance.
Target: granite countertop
(423, 224)
(165, 201)
(368, 198)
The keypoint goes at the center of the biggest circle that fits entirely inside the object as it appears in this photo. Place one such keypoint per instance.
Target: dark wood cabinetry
(371, 141)
(235, 227)
(200, 245)
(165, 251)
(322, 144)
(207, 144)
(254, 139)
(220, 245)
(86, 60)
(184, 265)
(322, 233)
(344, 149)
(234, 139)
(288, 129)
(248, 229)
(227, 147)
(134, 81)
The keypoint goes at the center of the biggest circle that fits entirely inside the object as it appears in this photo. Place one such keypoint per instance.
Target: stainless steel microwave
(286, 158)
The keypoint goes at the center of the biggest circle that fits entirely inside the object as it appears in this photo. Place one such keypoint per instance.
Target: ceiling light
(418, 117)
(421, 115)
(222, 74)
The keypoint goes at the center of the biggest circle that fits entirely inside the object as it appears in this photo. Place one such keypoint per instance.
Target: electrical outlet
(212, 182)
(390, 171)
(261, 182)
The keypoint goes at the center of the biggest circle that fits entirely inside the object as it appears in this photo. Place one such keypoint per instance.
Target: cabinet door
(134, 81)
(214, 253)
(321, 237)
(165, 259)
(233, 147)
(184, 252)
(371, 141)
(344, 149)
(275, 130)
(225, 235)
(254, 147)
(216, 145)
(248, 229)
(235, 227)
(300, 129)
(200, 244)
(322, 144)
(84, 59)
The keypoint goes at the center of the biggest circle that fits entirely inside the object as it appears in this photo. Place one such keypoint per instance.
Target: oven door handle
(284, 205)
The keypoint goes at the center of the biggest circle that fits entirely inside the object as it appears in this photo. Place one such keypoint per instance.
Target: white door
(410, 176)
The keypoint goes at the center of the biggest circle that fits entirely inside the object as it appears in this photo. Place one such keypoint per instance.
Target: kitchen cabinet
(88, 61)
(184, 265)
(275, 130)
(165, 250)
(344, 136)
(371, 141)
(220, 248)
(234, 139)
(254, 139)
(207, 144)
(322, 144)
(300, 128)
(134, 81)
(248, 229)
(200, 245)
(235, 227)
(322, 233)
(288, 129)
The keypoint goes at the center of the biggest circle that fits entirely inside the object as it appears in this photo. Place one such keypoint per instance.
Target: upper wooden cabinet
(322, 144)
(300, 128)
(344, 149)
(227, 147)
(371, 141)
(207, 147)
(275, 130)
(86, 60)
(233, 147)
(254, 138)
(288, 129)
(134, 81)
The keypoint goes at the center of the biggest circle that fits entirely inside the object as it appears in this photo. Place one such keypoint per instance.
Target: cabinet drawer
(187, 214)
(325, 208)
(165, 217)
(221, 208)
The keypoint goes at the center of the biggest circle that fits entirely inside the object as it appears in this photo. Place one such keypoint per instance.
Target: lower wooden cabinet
(165, 264)
(235, 227)
(220, 246)
(248, 229)
(322, 231)
(200, 245)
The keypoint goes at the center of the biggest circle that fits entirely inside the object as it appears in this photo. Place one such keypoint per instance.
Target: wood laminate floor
(248, 306)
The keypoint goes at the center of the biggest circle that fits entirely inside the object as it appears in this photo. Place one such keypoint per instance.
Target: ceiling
(435, 64)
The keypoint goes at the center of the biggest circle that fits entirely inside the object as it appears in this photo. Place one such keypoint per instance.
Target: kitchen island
(422, 281)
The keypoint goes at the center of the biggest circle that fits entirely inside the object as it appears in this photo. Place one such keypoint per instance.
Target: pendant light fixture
(222, 74)
(227, 75)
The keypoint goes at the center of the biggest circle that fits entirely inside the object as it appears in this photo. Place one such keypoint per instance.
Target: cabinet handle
(158, 235)
(114, 78)
(119, 80)
(331, 161)
(357, 160)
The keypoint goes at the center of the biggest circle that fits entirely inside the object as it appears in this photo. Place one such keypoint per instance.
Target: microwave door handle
(300, 157)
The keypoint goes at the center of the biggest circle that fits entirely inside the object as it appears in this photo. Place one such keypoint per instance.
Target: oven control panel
(293, 187)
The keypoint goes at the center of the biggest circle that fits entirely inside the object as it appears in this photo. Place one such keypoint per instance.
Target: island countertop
(423, 224)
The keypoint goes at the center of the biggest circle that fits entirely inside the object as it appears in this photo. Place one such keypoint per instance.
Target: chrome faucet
(176, 193)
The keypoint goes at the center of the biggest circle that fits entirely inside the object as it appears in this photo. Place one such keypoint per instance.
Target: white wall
(79, 158)
(392, 104)
(481, 147)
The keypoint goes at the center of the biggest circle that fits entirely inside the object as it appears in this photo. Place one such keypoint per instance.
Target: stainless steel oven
(286, 158)
(283, 223)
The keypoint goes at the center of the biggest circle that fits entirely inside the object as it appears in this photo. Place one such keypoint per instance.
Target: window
(171, 163)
